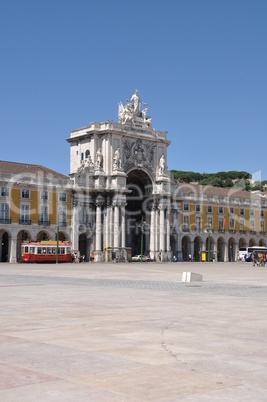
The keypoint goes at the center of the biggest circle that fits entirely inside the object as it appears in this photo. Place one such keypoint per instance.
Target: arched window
(87, 153)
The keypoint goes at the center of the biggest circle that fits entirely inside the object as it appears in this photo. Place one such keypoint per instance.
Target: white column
(123, 234)
(168, 247)
(161, 229)
(152, 232)
(13, 250)
(75, 226)
(108, 226)
(116, 225)
(98, 226)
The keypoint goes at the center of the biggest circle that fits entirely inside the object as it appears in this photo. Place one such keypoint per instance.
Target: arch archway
(4, 247)
(197, 248)
(221, 249)
(23, 235)
(231, 250)
(185, 248)
(137, 233)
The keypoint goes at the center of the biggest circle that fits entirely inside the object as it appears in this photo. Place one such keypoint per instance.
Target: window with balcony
(231, 224)
(44, 216)
(25, 215)
(4, 213)
(186, 224)
(210, 223)
(209, 209)
(220, 210)
(221, 225)
(198, 223)
(262, 214)
(242, 212)
(231, 210)
(252, 212)
(197, 208)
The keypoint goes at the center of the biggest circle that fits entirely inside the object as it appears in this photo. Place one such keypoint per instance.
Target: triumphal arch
(122, 189)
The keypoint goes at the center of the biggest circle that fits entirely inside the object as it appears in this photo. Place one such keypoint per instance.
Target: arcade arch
(139, 186)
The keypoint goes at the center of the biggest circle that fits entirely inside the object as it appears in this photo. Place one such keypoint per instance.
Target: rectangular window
(197, 208)
(262, 214)
(4, 212)
(252, 212)
(86, 216)
(209, 208)
(231, 210)
(4, 191)
(231, 224)
(210, 223)
(221, 221)
(242, 225)
(186, 207)
(25, 213)
(44, 195)
(220, 210)
(252, 225)
(44, 214)
(62, 197)
(242, 212)
(186, 223)
(25, 193)
(198, 223)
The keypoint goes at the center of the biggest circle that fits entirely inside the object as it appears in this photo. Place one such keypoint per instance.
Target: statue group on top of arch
(131, 111)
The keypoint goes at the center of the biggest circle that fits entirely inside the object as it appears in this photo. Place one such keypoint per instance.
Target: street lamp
(209, 232)
(57, 240)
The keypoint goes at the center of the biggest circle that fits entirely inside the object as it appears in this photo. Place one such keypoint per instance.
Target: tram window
(68, 250)
(49, 250)
(62, 251)
(53, 250)
(39, 250)
(32, 250)
(44, 250)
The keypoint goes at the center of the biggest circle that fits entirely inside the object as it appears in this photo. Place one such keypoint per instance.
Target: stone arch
(185, 248)
(221, 249)
(173, 244)
(5, 246)
(139, 185)
(231, 250)
(262, 242)
(43, 235)
(198, 244)
(242, 243)
(84, 246)
(23, 235)
(252, 242)
(209, 244)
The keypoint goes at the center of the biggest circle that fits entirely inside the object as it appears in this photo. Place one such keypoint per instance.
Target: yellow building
(35, 203)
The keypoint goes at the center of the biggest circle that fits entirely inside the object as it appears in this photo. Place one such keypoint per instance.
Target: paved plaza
(133, 332)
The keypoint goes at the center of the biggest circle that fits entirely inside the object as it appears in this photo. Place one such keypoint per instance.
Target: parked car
(138, 258)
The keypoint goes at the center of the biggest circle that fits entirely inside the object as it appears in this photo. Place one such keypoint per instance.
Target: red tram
(46, 251)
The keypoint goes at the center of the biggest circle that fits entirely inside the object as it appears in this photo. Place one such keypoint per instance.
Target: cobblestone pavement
(133, 333)
(193, 287)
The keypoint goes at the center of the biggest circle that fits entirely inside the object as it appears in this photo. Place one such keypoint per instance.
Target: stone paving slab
(133, 332)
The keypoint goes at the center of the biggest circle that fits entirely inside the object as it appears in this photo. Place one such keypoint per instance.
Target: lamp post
(57, 241)
(209, 231)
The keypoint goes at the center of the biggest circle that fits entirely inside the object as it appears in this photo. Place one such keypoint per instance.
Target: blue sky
(199, 64)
